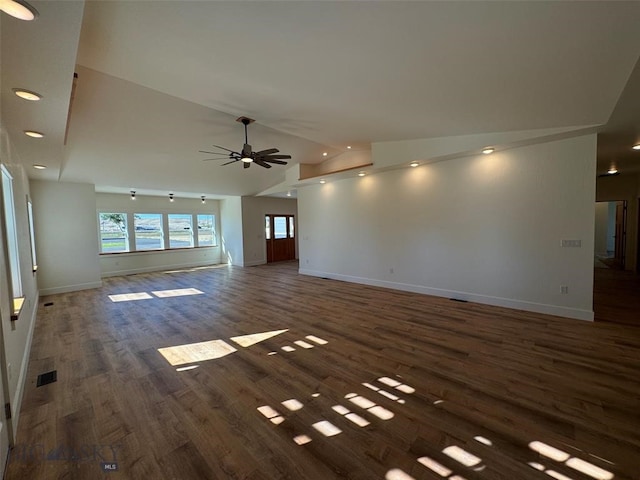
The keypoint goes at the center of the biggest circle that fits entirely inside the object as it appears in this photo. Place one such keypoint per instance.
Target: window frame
(13, 247)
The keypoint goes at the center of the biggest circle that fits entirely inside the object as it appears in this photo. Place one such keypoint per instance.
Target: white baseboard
(558, 310)
(16, 401)
(69, 288)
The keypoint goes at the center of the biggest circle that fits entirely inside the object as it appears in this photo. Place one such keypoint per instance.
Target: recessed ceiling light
(348, 147)
(39, 167)
(612, 170)
(324, 154)
(18, 9)
(488, 150)
(414, 164)
(33, 134)
(27, 94)
(323, 181)
(361, 174)
(636, 147)
(288, 194)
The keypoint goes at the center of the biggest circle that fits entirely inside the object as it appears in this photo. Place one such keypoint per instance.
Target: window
(267, 227)
(12, 235)
(206, 230)
(149, 234)
(113, 232)
(32, 237)
(180, 230)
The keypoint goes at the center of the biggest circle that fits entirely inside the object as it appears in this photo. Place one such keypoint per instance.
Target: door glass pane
(267, 227)
(280, 227)
(180, 231)
(148, 227)
(291, 222)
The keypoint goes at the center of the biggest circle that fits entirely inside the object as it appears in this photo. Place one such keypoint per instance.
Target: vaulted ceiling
(159, 81)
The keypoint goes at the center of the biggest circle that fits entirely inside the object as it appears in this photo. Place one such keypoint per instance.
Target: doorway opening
(280, 237)
(611, 234)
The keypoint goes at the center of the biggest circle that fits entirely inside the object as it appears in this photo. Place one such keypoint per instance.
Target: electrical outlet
(564, 289)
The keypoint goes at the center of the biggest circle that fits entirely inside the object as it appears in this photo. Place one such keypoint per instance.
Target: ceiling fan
(247, 156)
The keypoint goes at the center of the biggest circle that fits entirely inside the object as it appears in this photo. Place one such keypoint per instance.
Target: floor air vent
(46, 378)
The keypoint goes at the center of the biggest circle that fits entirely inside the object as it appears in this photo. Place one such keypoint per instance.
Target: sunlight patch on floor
(179, 292)
(252, 339)
(128, 297)
(196, 352)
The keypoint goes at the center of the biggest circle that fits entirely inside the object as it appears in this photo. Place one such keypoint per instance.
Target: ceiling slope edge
(388, 155)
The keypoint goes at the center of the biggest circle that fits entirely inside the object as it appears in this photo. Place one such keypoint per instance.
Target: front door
(280, 235)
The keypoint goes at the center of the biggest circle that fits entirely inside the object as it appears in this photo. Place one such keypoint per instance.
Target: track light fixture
(171, 197)
(133, 194)
(202, 199)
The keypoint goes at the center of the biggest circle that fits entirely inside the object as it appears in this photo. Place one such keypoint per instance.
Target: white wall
(254, 210)
(231, 231)
(485, 228)
(138, 262)
(17, 334)
(67, 240)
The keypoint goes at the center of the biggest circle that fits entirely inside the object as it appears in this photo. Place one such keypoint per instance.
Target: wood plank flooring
(406, 386)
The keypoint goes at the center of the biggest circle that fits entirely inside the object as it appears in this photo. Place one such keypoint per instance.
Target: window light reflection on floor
(549, 451)
(302, 439)
(252, 339)
(180, 292)
(128, 297)
(327, 428)
(397, 474)
(196, 352)
(589, 469)
(292, 404)
(462, 456)
(369, 406)
(303, 344)
(317, 340)
(435, 466)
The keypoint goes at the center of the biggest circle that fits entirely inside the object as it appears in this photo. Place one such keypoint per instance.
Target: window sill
(156, 250)
(18, 303)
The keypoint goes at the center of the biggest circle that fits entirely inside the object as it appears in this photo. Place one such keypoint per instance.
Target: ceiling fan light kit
(247, 156)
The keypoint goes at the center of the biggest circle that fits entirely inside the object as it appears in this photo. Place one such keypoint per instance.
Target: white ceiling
(159, 81)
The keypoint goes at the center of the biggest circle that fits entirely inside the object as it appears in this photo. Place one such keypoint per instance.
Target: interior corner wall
(150, 261)
(254, 210)
(486, 228)
(66, 230)
(231, 231)
(624, 187)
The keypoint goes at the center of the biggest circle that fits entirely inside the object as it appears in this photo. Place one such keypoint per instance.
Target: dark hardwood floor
(396, 386)
(616, 296)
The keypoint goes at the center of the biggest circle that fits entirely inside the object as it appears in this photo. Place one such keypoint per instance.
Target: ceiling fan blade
(232, 161)
(278, 162)
(209, 159)
(261, 163)
(246, 164)
(267, 152)
(222, 148)
(213, 153)
(280, 157)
